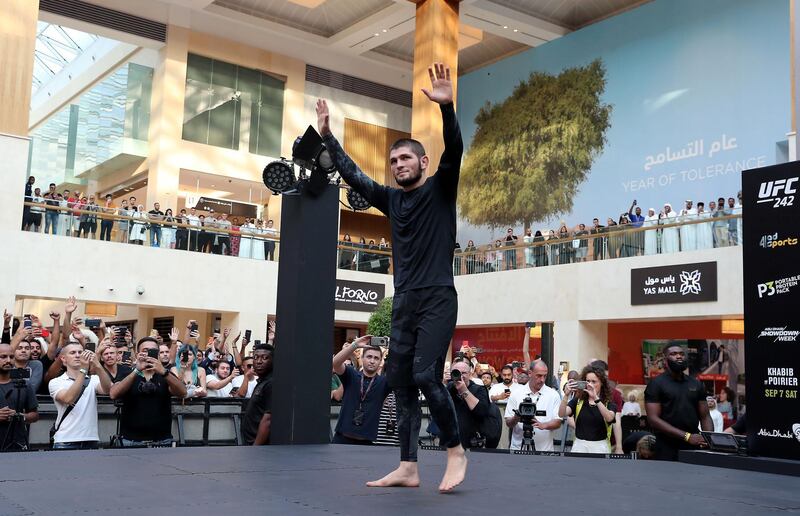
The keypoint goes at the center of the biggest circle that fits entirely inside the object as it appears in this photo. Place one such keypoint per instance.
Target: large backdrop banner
(667, 102)
(771, 300)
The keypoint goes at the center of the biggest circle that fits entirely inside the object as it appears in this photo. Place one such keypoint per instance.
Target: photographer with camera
(75, 396)
(146, 392)
(364, 393)
(18, 406)
(589, 401)
(532, 414)
(479, 422)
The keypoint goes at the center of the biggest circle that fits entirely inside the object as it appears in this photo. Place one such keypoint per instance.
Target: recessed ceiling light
(515, 30)
(385, 30)
(213, 186)
(377, 34)
(505, 26)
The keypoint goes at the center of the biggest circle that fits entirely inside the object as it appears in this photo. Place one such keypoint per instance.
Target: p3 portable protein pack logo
(779, 192)
(777, 287)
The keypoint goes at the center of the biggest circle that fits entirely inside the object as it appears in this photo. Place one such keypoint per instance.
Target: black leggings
(409, 414)
(423, 321)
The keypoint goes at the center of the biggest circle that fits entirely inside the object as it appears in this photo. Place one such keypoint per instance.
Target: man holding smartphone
(146, 394)
(364, 393)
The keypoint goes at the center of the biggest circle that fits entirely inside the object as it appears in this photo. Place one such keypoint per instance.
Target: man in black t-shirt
(257, 417)
(422, 215)
(155, 216)
(146, 392)
(364, 393)
(13, 432)
(676, 405)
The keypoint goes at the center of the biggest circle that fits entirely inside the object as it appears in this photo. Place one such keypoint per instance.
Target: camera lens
(455, 375)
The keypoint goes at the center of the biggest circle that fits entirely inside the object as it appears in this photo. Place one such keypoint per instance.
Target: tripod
(527, 437)
(17, 419)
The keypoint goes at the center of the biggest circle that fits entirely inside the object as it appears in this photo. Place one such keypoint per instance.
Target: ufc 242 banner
(771, 253)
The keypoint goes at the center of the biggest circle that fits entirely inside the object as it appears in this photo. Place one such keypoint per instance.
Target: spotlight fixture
(308, 153)
(357, 201)
(279, 177)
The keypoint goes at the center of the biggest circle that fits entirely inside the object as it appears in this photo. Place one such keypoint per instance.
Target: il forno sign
(358, 296)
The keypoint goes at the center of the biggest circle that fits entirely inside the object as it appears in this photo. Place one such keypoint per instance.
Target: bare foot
(456, 469)
(406, 475)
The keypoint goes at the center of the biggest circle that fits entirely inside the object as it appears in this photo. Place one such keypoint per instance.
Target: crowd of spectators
(633, 233)
(78, 215)
(73, 361)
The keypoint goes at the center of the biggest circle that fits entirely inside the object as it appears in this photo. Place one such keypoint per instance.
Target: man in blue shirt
(637, 220)
(364, 393)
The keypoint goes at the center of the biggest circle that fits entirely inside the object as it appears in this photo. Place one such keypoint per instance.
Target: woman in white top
(631, 407)
(139, 229)
(249, 247)
(528, 239)
(168, 231)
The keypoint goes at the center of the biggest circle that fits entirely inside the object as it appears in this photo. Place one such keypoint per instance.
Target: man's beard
(507, 381)
(412, 178)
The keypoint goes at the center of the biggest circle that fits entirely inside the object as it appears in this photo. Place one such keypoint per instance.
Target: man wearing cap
(688, 231)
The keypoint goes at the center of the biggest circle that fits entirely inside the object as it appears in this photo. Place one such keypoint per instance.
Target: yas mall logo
(690, 282)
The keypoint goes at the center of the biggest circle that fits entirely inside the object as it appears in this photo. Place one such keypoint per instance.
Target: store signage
(771, 261)
(687, 283)
(232, 208)
(358, 296)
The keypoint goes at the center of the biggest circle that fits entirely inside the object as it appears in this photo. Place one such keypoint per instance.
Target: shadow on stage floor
(329, 479)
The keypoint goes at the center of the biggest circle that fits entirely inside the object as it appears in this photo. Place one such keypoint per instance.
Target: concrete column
(166, 120)
(577, 342)
(435, 40)
(17, 42)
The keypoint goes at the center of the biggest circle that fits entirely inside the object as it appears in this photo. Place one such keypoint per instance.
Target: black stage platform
(240, 481)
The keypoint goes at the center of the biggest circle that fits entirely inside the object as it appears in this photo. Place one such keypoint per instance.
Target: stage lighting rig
(357, 201)
(317, 169)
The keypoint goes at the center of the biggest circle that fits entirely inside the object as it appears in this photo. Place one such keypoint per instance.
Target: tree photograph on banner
(538, 146)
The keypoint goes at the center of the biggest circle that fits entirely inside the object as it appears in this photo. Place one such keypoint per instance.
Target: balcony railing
(251, 241)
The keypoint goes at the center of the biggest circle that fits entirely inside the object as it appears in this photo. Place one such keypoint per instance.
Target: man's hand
(173, 335)
(461, 386)
(6, 413)
(618, 449)
(323, 118)
(697, 440)
(79, 336)
(55, 316)
(71, 305)
(86, 359)
(441, 90)
(154, 365)
(6, 319)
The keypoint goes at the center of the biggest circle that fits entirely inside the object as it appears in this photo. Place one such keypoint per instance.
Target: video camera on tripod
(526, 413)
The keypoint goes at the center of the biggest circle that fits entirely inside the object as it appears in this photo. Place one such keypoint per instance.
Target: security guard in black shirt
(676, 405)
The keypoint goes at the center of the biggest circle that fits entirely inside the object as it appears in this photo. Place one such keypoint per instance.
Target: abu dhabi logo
(796, 431)
(781, 334)
(690, 282)
(779, 286)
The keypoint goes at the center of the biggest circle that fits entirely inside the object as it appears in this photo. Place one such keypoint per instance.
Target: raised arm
(346, 352)
(376, 194)
(441, 92)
